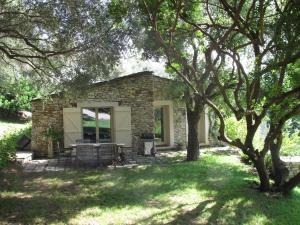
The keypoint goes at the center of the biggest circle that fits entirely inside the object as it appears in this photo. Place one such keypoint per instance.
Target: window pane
(89, 124)
(104, 124)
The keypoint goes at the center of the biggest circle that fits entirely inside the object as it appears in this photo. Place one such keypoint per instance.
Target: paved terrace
(66, 164)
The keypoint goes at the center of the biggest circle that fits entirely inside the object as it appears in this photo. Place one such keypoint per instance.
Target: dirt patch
(7, 174)
(12, 169)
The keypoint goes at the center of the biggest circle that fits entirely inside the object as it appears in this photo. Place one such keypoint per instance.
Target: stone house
(119, 110)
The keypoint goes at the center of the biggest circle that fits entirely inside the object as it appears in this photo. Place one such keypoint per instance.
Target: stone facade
(293, 164)
(137, 91)
(163, 91)
(44, 115)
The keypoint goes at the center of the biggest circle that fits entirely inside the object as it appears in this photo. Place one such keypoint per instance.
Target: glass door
(104, 125)
(89, 124)
(96, 124)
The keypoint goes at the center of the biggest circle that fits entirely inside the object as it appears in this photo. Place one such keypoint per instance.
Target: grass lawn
(214, 190)
(6, 126)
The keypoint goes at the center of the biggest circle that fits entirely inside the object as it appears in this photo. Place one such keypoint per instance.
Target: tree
(250, 52)
(61, 41)
(16, 95)
(267, 34)
(162, 32)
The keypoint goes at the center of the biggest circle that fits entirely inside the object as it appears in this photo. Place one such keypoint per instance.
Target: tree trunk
(279, 170)
(193, 118)
(263, 174)
(289, 185)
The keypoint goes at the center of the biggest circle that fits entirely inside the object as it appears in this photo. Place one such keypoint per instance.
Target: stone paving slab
(66, 164)
(23, 157)
(49, 165)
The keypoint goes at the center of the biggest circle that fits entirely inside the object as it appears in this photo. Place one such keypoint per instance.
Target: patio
(65, 164)
(161, 158)
(62, 164)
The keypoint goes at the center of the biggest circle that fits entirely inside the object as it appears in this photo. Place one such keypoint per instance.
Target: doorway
(163, 125)
(159, 125)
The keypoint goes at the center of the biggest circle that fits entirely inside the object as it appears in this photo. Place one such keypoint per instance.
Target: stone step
(24, 157)
(166, 148)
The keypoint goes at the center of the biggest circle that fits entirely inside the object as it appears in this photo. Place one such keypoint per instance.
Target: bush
(16, 95)
(238, 129)
(8, 145)
(245, 159)
(290, 144)
(235, 129)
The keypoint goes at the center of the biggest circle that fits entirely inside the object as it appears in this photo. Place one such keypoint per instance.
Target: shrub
(235, 129)
(290, 144)
(245, 159)
(8, 145)
(16, 95)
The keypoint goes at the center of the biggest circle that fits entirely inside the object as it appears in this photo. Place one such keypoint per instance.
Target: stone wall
(132, 91)
(180, 125)
(293, 164)
(137, 91)
(163, 89)
(46, 114)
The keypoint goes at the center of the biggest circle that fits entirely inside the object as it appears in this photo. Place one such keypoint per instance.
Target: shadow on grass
(59, 197)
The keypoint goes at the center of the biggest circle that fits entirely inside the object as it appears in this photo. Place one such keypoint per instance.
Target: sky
(132, 64)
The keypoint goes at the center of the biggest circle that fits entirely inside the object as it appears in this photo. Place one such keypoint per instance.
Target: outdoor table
(96, 145)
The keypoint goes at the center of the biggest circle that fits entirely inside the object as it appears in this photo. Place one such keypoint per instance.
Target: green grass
(214, 190)
(8, 126)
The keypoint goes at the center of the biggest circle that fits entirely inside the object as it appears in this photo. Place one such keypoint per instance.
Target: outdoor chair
(108, 154)
(63, 155)
(130, 156)
(87, 155)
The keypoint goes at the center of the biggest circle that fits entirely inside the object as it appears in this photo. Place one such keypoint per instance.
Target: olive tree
(261, 53)
(59, 41)
(161, 30)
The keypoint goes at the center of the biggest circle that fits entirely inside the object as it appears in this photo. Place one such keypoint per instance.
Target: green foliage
(63, 44)
(290, 144)
(268, 163)
(238, 129)
(8, 144)
(16, 95)
(53, 133)
(245, 159)
(235, 129)
(293, 125)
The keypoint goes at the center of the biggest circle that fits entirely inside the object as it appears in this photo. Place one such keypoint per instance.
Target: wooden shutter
(122, 125)
(72, 125)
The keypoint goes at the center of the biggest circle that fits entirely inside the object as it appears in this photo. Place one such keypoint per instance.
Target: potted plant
(53, 136)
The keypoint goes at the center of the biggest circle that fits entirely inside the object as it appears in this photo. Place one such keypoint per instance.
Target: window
(89, 124)
(104, 124)
(96, 123)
